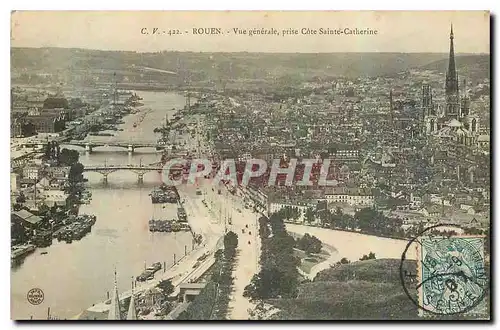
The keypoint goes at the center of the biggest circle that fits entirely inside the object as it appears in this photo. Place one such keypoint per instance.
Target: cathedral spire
(451, 75)
(114, 308)
(452, 110)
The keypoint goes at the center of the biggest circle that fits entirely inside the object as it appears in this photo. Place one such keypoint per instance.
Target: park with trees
(278, 276)
(212, 302)
(366, 220)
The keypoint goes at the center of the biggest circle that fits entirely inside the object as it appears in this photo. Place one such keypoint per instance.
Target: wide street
(247, 260)
(187, 267)
(212, 214)
(230, 209)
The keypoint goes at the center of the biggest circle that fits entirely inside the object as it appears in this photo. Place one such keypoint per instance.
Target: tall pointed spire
(114, 308)
(452, 110)
(132, 314)
(451, 74)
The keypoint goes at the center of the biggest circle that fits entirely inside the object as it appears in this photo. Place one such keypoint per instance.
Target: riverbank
(353, 245)
(187, 268)
(74, 276)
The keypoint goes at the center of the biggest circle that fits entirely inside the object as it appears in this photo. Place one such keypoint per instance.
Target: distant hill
(222, 65)
(468, 66)
(81, 66)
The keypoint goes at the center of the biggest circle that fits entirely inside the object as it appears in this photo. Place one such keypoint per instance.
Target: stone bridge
(130, 145)
(140, 170)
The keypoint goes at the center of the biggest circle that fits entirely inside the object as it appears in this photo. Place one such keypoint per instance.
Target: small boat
(135, 125)
(44, 252)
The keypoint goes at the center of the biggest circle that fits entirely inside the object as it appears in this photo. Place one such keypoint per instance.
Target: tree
(296, 214)
(230, 245)
(264, 231)
(231, 240)
(28, 129)
(343, 261)
(166, 287)
(18, 232)
(265, 284)
(372, 221)
(222, 277)
(68, 157)
(309, 215)
(309, 244)
(324, 216)
(76, 173)
(21, 199)
(338, 211)
(219, 254)
(370, 256)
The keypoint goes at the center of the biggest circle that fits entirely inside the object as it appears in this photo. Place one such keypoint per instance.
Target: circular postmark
(450, 276)
(35, 296)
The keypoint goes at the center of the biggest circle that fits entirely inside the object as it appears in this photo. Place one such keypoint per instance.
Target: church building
(453, 121)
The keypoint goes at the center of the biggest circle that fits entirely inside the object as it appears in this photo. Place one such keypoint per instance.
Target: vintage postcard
(183, 165)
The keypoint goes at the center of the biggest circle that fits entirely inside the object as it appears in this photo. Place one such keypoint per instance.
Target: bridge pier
(130, 149)
(140, 170)
(88, 148)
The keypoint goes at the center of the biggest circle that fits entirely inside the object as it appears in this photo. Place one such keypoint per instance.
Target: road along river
(75, 276)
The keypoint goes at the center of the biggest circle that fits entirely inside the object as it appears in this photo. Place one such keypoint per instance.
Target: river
(75, 276)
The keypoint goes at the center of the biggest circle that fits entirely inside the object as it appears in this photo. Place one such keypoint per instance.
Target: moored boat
(22, 250)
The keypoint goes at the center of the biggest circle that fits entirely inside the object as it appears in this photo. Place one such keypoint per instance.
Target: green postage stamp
(453, 279)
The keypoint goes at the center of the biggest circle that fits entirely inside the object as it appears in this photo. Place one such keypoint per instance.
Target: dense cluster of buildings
(38, 181)
(403, 144)
(39, 112)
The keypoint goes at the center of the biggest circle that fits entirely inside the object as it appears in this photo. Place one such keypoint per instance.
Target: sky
(397, 31)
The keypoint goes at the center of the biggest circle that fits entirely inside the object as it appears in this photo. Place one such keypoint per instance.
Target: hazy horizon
(238, 52)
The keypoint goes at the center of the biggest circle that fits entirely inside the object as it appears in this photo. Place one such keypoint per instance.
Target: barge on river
(164, 194)
(167, 226)
(76, 230)
(20, 251)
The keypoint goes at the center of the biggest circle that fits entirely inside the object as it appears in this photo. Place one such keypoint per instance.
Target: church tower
(451, 86)
(132, 313)
(114, 308)
(465, 104)
(469, 120)
(430, 119)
